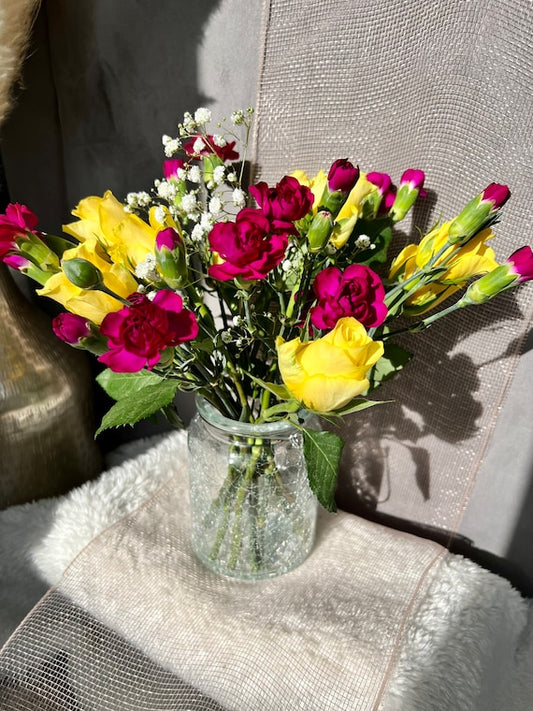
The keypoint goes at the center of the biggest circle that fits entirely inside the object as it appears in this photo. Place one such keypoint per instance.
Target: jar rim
(280, 428)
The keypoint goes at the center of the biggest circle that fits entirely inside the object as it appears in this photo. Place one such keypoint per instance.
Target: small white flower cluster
(189, 205)
(238, 118)
(194, 174)
(166, 190)
(137, 200)
(171, 145)
(239, 197)
(147, 269)
(219, 141)
(202, 116)
(215, 205)
(364, 242)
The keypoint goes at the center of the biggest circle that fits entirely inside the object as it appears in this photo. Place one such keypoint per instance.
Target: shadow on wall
(102, 83)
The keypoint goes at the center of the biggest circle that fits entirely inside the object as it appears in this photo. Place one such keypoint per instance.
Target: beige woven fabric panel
(445, 87)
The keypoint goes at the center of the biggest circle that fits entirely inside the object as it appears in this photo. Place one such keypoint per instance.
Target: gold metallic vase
(46, 424)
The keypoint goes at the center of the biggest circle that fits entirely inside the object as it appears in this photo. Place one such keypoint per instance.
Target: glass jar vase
(253, 513)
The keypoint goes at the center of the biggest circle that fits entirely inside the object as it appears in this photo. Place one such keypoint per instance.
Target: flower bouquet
(271, 303)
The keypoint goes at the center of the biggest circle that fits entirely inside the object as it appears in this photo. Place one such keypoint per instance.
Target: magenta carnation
(284, 204)
(70, 328)
(497, 194)
(17, 220)
(248, 248)
(171, 167)
(342, 176)
(169, 238)
(139, 333)
(356, 292)
(521, 263)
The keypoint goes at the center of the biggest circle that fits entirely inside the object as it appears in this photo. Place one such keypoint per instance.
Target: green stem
(425, 323)
(242, 493)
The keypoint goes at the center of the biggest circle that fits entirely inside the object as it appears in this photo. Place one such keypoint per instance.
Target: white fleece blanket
(467, 642)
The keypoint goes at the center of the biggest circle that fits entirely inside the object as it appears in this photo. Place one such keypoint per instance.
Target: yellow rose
(91, 304)
(328, 373)
(126, 238)
(472, 259)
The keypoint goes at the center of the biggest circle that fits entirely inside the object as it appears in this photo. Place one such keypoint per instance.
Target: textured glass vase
(253, 513)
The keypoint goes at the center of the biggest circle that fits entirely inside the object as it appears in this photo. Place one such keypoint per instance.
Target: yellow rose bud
(328, 373)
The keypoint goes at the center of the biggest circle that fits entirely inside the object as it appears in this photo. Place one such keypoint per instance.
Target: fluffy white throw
(467, 642)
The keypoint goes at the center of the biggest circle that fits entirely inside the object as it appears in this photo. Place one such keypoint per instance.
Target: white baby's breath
(215, 205)
(194, 174)
(239, 197)
(146, 269)
(202, 116)
(189, 202)
(218, 174)
(199, 145)
(362, 242)
(219, 141)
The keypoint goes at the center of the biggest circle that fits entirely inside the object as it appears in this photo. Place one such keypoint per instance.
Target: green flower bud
(320, 230)
(479, 213)
(170, 257)
(82, 273)
(489, 285)
(469, 221)
(332, 200)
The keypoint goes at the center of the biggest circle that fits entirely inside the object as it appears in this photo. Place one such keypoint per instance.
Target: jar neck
(267, 430)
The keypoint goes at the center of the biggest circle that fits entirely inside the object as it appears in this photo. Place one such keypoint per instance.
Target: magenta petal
(112, 323)
(414, 177)
(327, 282)
(184, 325)
(497, 194)
(168, 238)
(522, 261)
(382, 181)
(168, 300)
(223, 272)
(120, 360)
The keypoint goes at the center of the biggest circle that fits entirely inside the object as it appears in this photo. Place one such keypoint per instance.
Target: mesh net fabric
(446, 88)
(137, 622)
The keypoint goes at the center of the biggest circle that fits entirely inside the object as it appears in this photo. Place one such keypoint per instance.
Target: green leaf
(283, 408)
(357, 405)
(392, 361)
(380, 233)
(139, 404)
(322, 452)
(121, 385)
(280, 391)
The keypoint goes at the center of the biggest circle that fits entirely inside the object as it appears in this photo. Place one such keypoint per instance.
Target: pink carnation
(171, 167)
(249, 250)
(342, 175)
(70, 328)
(16, 221)
(521, 262)
(357, 292)
(139, 333)
(284, 204)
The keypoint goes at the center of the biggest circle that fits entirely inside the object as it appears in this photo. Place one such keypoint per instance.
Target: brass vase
(46, 423)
